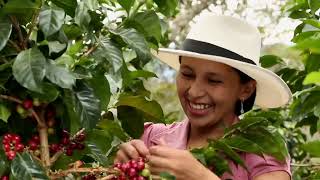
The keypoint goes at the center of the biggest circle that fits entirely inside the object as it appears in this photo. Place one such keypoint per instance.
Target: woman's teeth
(199, 106)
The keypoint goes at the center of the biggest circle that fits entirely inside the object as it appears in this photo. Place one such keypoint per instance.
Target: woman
(219, 78)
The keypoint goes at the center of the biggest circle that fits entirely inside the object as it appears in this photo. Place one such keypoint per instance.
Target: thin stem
(17, 27)
(33, 24)
(92, 48)
(55, 157)
(59, 174)
(15, 45)
(10, 98)
(305, 165)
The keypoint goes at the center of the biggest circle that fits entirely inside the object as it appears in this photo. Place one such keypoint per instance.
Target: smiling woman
(219, 78)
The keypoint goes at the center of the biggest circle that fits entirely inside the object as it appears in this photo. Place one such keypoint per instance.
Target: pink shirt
(175, 136)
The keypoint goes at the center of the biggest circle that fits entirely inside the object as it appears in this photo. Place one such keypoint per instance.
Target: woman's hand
(131, 150)
(179, 163)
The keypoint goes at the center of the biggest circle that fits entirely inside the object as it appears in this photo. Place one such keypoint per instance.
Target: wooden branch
(11, 98)
(59, 174)
(15, 45)
(17, 27)
(33, 24)
(55, 157)
(93, 48)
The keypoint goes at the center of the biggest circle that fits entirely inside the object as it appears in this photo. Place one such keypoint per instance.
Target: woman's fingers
(140, 147)
(129, 150)
(121, 157)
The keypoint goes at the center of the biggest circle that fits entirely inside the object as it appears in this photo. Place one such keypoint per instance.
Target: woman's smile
(199, 109)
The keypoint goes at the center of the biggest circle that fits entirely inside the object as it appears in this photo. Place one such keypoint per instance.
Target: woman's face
(209, 90)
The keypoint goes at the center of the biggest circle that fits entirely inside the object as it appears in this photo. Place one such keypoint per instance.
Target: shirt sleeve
(258, 165)
(150, 130)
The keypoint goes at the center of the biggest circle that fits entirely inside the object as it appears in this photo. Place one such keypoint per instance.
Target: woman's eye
(214, 81)
(188, 75)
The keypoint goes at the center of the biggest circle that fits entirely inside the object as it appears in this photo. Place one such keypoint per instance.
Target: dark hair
(248, 103)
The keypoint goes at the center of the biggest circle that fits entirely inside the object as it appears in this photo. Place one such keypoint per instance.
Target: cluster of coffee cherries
(69, 144)
(34, 145)
(6, 177)
(11, 145)
(132, 170)
(26, 105)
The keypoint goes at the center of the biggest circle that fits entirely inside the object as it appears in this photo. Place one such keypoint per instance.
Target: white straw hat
(236, 43)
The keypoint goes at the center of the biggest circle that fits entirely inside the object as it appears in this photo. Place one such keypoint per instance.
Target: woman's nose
(196, 90)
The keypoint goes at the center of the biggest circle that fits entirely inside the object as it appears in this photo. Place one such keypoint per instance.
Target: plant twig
(11, 98)
(55, 157)
(59, 174)
(17, 27)
(33, 24)
(305, 165)
(15, 45)
(90, 50)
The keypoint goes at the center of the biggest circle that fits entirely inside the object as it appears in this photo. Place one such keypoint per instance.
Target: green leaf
(299, 14)
(72, 31)
(82, 16)
(60, 75)
(98, 143)
(65, 60)
(51, 20)
(312, 78)
(56, 47)
(312, 63)
(87, 106)
(69, 6)
(313, 22)
(4, 164)
(148, 23)
(4, 112)
(137, 42)
(23, 9)
(312, 148)
(268, 61)
(29, 69)
(272, 143)
(126, 4)
(131, 120)
(101, 88)
(111, 53)
(167, 7)
(151, 108)
(25, 167)
(312, 43)
(229, 152)
(141, 74)
(240, 143)
(113, 128)
(167, 176)
(50, 92)
(71, 114)
(314, 5)
(245, 123)
(5, 32)
(5, 73)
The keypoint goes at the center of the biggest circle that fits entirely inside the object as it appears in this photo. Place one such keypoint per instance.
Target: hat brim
(271, 90)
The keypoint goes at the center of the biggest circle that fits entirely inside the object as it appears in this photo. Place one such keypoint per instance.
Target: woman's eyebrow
(185, 66)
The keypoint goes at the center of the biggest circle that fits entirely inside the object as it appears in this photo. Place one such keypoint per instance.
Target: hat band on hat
(211, 49)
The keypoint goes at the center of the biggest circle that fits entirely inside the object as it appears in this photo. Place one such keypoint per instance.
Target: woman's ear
(247, 89)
